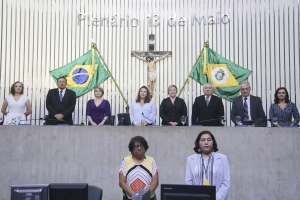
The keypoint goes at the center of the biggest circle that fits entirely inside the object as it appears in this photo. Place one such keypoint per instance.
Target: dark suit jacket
(172, 113)
(257, 111)
(212, 113)
(66, 107)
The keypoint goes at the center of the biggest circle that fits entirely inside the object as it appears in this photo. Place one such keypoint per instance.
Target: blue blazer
(221, 174)
(256, 110)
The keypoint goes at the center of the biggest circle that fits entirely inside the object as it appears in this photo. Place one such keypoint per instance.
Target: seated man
(248, 107)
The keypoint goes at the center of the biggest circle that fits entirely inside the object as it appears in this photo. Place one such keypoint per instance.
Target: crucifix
(150, 54)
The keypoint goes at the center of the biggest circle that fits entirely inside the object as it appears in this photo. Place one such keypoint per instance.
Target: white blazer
(221, 174)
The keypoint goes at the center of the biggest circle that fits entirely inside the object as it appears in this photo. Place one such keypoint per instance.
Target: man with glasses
(247, 107)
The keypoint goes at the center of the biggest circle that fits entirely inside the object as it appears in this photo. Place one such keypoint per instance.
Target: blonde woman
(98, 109)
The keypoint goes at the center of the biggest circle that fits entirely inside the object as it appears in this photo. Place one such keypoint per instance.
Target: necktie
(60, 95)
(246, 116)
(207, 100)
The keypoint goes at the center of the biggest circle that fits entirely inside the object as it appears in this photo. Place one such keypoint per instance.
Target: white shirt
(63, 92)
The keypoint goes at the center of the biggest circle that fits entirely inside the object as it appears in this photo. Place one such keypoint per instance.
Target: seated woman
(206, 167)
(143, 110)
(98, 109)
(16, 104)
(172, 108)
(138, 171)
(283, 109)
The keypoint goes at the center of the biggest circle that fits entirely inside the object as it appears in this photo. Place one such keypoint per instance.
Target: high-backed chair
(95, 193)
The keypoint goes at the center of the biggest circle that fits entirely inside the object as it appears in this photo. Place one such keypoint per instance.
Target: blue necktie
(246, 116)
(61, 95)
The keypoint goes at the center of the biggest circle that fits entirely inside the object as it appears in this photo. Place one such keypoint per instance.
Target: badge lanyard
(205, 176)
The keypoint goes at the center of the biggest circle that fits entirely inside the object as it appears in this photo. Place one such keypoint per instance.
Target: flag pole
(95, 47)
(206, 44)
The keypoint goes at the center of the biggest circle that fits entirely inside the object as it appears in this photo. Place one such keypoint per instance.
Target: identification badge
(206, 182)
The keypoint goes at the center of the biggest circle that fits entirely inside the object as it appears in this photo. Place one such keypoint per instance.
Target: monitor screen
(29, 192)
(124, 119)
(187, 192)
(68, 191)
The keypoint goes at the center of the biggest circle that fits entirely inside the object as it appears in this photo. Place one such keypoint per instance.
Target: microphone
(208, 120)
(153, 123)
(108, 120)
(223, 119)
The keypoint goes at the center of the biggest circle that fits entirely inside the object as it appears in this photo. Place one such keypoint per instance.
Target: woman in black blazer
(172, 108)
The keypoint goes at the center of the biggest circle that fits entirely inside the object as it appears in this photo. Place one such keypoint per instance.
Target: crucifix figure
(150, 54)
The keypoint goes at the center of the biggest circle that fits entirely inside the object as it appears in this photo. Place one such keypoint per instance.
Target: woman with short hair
(172, 108)
(98, 109)
(138, 170)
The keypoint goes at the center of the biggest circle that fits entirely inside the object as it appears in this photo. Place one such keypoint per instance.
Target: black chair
(95, 193)
(111, 119)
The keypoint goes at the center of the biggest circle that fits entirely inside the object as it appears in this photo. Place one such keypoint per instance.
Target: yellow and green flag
(223, 74)
(82, 74)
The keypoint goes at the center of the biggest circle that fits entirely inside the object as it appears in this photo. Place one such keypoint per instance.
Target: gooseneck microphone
(153, 123)
(208, 120)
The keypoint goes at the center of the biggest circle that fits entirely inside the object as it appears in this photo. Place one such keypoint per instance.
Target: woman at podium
(18, 105)
(138, 170)
(206, 167)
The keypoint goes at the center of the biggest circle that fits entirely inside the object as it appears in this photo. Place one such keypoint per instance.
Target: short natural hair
(139, 139)
(208, 84)
(172, 86)
(12, 88)
(287, 98)
(197, 147)
(100, 88)
(245, 82)
(62, 78)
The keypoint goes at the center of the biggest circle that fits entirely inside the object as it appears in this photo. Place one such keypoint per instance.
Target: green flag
(82, 74)
(223, 74)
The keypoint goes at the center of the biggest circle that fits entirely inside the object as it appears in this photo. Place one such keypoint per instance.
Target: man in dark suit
(248, 107)
(60, 104)
(208, 109)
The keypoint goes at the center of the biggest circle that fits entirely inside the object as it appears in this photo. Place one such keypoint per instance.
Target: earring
(199, 150)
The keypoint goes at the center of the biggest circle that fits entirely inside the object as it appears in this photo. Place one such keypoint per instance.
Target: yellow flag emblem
(220, 76)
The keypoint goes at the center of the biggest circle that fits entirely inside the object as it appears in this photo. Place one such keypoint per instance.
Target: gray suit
(256, 110)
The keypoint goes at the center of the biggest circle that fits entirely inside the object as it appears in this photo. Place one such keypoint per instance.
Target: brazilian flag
(82, 74)
(223, 74)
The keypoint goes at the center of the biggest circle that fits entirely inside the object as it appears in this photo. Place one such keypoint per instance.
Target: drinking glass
(183, 120)
(274, 120)
(83, 118)
(238, 120)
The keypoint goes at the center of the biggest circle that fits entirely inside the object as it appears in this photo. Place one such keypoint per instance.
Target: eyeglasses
(139, 147)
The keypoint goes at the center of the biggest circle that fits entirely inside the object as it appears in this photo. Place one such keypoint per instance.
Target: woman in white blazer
(206, 167)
